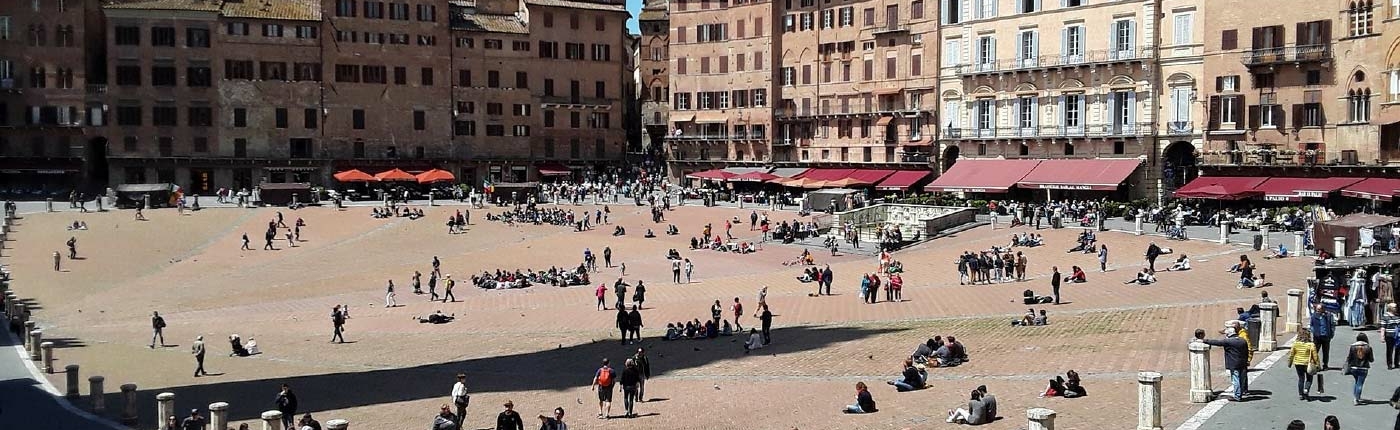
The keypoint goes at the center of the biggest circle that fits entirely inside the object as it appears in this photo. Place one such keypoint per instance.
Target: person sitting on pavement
(1145, 277)
(755, 341)
(236, 346)
(672, 333)
(649, 234)
(1182, 263)
(1025, 320)
(1280, 252)
(975, 414)
(865, 403)
(1073, 388)
(912, 378)
(619, 231)
(924, 351)
(990, 401)
(1076, 276)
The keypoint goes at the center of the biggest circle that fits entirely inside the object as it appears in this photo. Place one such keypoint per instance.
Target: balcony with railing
(1091, 130)
(893, 27)
(1265, 157)
(1088, 58)
(1295, 54)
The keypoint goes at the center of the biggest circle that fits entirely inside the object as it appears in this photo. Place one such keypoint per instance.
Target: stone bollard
(129, 405)
(1295, 311)
(1298, 244)
(71, 371)
(48, 204)
(35, 338)
(1040, 419)
(10, 299)
(1268, 336)
(1224, 233)
(272, 420)
(1339, 246)
(1137, 224)
(218, 415)
(1264, 231)
(1201, 391)
(337, 425)
(99, 402)
(165, 407)
(28, 327)
(1149, 401)
(46, 349)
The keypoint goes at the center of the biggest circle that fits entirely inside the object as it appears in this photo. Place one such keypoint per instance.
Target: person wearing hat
(460, 398)
(198, 350)
(509, 419)
(1236, 356)
(193, 422)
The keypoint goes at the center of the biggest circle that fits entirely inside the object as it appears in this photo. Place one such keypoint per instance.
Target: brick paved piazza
(538, 346)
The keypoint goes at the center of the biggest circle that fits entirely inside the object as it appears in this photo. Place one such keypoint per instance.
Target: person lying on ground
(1144, 277)
(436, 318)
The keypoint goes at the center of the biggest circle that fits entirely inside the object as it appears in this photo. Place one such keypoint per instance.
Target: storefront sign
(1064, 187)
(1273, 198)
(1312, 193)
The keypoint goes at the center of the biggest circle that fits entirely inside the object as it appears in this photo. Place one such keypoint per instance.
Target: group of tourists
(995, 265)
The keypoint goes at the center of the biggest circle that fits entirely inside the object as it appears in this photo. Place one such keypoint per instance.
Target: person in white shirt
(1182, 263)
(460, 398)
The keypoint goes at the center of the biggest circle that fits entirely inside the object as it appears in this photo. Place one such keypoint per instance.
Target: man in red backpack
(603, 381)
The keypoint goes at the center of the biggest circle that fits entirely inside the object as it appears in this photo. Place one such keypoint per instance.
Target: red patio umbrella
(353, 175)
(395, 175)
(436, 175)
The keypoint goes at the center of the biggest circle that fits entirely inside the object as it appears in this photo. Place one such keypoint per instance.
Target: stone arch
(951, 95)
(1120, 81)
(1069, 84)
(1181, 79)
(1179, 164)
(950, 156)
(1025, 87)
(983, 90)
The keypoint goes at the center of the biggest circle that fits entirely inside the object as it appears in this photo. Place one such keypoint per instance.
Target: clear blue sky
(634, 6)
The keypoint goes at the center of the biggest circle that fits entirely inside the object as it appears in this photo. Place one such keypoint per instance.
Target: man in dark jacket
(624, 322)
(509, 419)
(445, 420)
(1236, 356)
(634, 323)
(1324, 326)
(287, 405)
(644, 367)
(1055, 283)
(1153, 251)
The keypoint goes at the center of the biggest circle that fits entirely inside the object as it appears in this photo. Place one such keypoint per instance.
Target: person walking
(198, 351)
(1055, 283)
(447, 289)
(624, 323)
(1236, 356)
(639, 294)
(338, 324)
(1303, 356)
(603, 380)
(157, 329)
(1390, 322)
(245, 243)
(676, 271)
(1021, 262)
(389, 295)
(631, 378)
(607, 256)
(437, 266)
(72, 248)
(432, 286)
(634, 323)
(601, 292)
(689, 268)
(765, 319)
(1153, 251)
(509, 419)
(644, 367)
(1323, 325)
(738, 309)
(619, 290)
(460, 398)
(1359, 359)
(1103, 258)
(286, 402)
(57, 262)
(826, 280)
(417, 282)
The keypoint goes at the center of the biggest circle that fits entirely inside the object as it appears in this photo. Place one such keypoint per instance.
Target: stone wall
(909, 218)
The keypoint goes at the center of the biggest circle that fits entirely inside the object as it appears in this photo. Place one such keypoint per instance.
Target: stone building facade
(654, 68)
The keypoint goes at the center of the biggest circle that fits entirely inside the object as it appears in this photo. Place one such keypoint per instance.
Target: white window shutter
(1064, 40)
(1132, 36)
(1132, 107)
(1113, 38)
(1110, 116)
(1082, 113)
(1035, 43)
(1020, 41)
(1035, 111)
(1064, 119)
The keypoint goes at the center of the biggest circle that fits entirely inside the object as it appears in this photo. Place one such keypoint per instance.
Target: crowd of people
(506, 279)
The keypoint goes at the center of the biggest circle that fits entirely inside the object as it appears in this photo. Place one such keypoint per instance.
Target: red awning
(395, 175)
(553, 169)
(903, 179)
(1383, 189)
(353, 175)
(870, 175)
(757, 176)
(1294, 189)
(716, 174)
(973, 175)
(1102, 174)
(436, 175)
(1220, 188)
(826, 174)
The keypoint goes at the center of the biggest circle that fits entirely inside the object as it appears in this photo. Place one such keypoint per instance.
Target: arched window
(1361, 16)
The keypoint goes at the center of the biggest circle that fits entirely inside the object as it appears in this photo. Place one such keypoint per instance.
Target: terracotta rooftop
(489, 23)
(300, 10)
(190, 5)
(578, 5)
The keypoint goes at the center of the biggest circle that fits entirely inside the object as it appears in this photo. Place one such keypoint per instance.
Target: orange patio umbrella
(353, 175)
(395, 175)
(436, 175)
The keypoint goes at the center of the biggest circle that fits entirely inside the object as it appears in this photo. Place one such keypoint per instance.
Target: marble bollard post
(71, 371)
(99, 400)
(1224, 233)
(1201, 391)
(1137, 224)
(1295, 311)
(10, 299)
(218, 415)
(1268, 335)
(272, 420)
(1040, 419)
(129, 404)
(1149, 401)
(337, 425)
(35, 338)
(48, 204)
(1339, 246)
(1264, 231)
(28, 326)
(165, 407)
(1298, 244)
(46, 350)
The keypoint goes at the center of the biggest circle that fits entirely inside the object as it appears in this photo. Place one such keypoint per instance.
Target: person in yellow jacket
(1303, 357)
(1248, 344)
